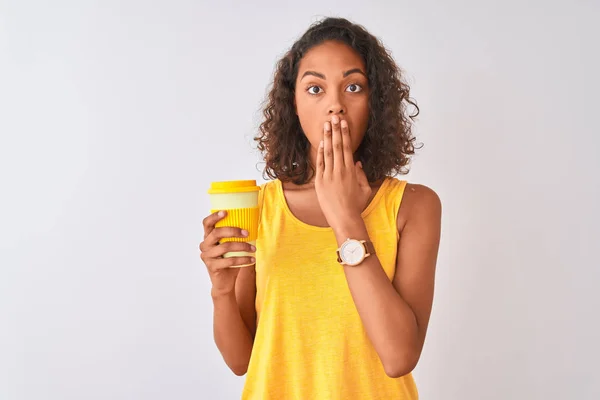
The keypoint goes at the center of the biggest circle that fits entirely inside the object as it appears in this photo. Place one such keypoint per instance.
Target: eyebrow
(345, 74)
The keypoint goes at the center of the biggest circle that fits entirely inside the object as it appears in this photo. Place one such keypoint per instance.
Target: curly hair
(388, 142)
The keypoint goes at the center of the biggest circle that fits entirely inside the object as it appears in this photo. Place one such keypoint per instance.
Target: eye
(354, 88)
(310, 90)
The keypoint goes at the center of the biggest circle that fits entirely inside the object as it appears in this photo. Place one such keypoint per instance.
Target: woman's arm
(396, 314)
(234, 322)
(245, 293)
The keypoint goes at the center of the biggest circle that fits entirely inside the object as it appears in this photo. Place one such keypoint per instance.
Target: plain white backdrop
(116, 115)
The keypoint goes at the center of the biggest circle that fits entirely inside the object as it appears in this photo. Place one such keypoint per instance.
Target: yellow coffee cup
(240, 200)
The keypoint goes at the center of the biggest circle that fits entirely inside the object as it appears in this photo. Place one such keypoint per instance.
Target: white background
(116, 115)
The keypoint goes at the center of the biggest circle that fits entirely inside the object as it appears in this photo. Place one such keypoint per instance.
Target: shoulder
(421, 197)
(267, 186)
(420, 205)
(268, 193)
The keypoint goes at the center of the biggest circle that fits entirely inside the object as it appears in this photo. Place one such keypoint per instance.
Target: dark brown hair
(388, 142)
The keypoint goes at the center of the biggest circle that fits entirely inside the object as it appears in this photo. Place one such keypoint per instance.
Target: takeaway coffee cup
(240, 200)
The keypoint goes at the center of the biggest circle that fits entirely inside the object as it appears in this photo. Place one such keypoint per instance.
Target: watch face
(352, 252)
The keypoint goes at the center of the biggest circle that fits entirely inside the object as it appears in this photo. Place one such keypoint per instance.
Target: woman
(338, 301)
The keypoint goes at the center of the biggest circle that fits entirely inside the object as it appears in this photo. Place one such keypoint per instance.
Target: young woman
(338, 301)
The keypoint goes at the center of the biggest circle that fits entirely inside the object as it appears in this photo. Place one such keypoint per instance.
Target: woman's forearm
(389, 321)
(232, 337)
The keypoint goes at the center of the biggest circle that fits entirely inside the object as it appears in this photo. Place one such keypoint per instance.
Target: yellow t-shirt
(310, 342)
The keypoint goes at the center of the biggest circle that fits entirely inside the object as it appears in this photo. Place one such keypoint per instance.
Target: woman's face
(332, 81)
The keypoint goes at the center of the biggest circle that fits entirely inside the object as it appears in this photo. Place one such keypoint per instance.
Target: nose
(336, 106)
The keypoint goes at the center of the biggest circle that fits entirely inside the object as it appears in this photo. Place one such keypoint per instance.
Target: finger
(336, 142)
(347, 145)
(225, 232)
(232, 262)
(219, 251)
(210, 221)
(327, 150)
(320, 160)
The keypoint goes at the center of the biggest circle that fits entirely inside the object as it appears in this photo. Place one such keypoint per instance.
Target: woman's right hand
(221, 274)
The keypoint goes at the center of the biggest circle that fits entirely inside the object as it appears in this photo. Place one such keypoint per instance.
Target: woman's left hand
(341, 184)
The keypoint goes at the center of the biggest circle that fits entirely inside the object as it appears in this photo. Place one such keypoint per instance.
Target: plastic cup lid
(233, 187)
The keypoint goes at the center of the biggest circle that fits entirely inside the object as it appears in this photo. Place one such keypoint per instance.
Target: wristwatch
(353, 252)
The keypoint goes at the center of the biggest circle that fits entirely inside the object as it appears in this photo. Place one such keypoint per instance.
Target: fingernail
(344, 124)
(221, 213)
(253, 248)
(321, 144)
(327, 126)
(335, 119)
(244, 232)
(252, 259)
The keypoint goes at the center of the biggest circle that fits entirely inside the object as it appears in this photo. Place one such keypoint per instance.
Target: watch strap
(369, 247)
